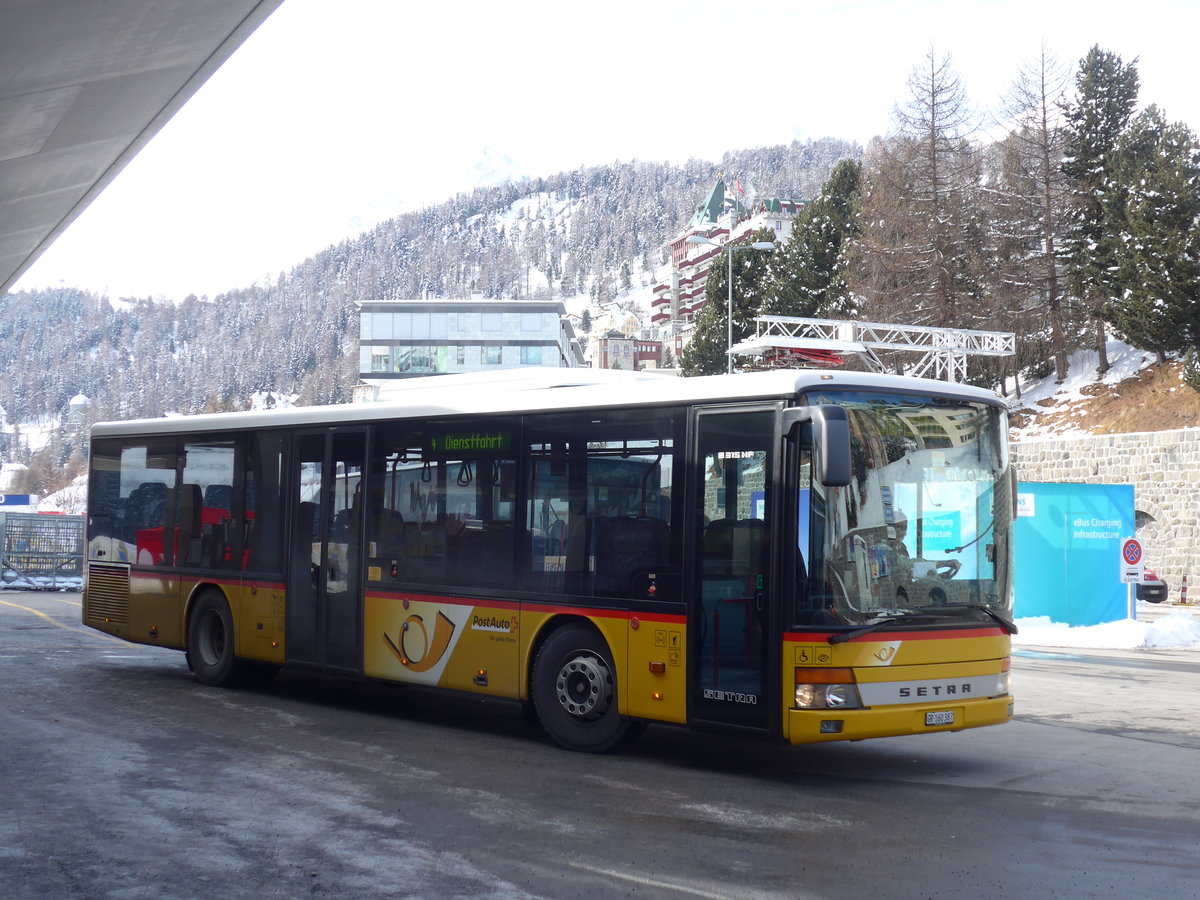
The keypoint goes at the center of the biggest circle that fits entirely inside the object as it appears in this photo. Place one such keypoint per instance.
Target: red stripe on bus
(434, 598)
(927, 635)
(208, 578)
(607, 613)
(550, 609)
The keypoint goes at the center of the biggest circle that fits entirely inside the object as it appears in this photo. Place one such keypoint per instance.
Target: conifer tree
(1159, 168)
(1107, 91)
(808, 273)
(705, 353)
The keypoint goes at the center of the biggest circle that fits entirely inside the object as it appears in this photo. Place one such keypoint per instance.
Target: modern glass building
(400, 339)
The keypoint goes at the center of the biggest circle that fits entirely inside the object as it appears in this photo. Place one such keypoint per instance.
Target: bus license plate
(941, 717)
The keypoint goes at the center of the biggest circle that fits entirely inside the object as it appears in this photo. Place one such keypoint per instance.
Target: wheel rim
(212, 638)
(584, 686)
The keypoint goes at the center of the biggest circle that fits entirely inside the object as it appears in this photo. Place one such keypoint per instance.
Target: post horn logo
(431, 653)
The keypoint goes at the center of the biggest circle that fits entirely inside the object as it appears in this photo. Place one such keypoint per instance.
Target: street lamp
(730, 248)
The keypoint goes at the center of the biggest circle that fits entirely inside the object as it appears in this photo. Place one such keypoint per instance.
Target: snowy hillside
(1135, 395)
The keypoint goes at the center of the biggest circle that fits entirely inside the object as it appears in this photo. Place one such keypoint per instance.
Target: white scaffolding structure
(789, 341)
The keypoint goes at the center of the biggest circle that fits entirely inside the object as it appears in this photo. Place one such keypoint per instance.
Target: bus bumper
(807, 726)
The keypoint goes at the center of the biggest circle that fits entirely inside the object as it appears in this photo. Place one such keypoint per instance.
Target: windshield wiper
(1005, 623)
(842, 636)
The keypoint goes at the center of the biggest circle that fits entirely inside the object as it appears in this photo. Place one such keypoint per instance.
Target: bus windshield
(922, 531)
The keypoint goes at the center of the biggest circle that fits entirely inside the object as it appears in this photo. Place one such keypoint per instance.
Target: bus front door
(324, 596)
(730, 629)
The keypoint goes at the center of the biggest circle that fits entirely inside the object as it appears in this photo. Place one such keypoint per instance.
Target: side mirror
(831, 436)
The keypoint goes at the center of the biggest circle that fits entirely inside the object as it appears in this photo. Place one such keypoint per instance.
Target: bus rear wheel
(575, 691)
(210, 641)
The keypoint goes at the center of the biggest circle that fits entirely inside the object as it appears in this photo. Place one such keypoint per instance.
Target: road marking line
(76, 603)
(53, 621)
(656, 883)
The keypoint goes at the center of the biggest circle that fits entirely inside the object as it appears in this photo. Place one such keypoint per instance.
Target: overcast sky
(335, 116)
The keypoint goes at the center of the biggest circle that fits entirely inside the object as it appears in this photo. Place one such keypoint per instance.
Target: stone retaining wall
(1164, 469)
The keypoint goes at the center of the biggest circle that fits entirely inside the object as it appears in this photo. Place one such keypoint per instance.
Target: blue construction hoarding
(1068, 545)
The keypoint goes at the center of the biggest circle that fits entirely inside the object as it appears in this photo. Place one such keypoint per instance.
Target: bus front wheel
(575, 691)
(210, 641)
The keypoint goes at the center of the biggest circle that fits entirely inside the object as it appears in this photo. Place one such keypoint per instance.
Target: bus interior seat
(219, 496)
(627, 551)
(477, 556)
(424, 551)
(386, 530)
(145, 508)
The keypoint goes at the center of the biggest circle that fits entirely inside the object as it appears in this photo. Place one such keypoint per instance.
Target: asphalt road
(121, 777)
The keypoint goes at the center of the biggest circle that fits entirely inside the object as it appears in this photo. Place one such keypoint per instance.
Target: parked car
(1151, 588)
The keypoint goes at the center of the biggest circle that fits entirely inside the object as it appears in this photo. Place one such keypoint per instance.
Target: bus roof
(545, 390)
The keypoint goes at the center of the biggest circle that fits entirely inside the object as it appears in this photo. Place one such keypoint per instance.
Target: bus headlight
(1004, 679)
(826, 689)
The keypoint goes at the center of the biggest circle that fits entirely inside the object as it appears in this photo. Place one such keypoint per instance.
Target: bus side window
(401, 544)
(262, 531)
(105, 504)
(478, 522)
(203, 525)
(599, 519)
(435, 517)
(556, 522)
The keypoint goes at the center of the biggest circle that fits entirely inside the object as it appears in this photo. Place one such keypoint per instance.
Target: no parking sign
(1133, 561)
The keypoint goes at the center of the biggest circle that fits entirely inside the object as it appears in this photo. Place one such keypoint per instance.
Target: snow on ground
(1178, 630)
(1124, 362)
(34, 436)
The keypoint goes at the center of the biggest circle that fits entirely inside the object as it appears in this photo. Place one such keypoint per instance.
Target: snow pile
(11, 581)
(1177, 630)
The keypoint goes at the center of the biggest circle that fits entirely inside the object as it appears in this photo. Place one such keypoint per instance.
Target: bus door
(730, 620)
(324, 597)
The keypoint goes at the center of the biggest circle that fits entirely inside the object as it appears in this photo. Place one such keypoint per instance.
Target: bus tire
(575, 691)
(210, 641)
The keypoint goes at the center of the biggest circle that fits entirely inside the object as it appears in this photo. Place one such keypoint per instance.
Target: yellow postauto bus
(798, 555)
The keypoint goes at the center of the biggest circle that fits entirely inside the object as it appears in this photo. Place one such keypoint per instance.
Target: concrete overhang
(84, 85)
